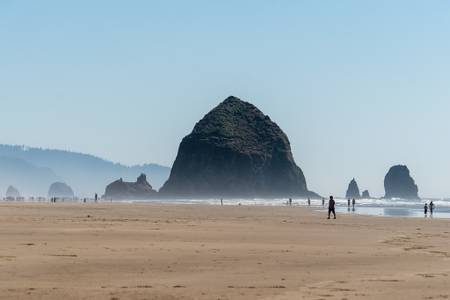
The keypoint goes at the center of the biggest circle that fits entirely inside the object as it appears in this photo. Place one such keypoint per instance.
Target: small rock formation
(365, 195)
(139, 190)
(60, 190)
(12, 192)
(399, 184)
(236, 151)
(353, 190)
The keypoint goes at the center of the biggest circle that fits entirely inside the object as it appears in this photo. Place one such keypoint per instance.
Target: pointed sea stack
(139, 190)
(235, 151)
(399, 184)
(353, 190)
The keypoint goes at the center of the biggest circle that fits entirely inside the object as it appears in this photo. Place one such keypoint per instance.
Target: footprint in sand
(417, 247)
(441, 253)
(432, 275)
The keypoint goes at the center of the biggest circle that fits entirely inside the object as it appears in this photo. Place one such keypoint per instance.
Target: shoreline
(390, 211)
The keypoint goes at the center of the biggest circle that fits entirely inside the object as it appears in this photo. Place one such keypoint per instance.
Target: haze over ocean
(357, 86)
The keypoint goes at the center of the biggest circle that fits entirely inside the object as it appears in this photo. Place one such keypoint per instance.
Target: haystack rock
(353, 190)
(236, 151)
(60, 190)
(139, 190)
(398, 183)
(365, 194)
(12, 192)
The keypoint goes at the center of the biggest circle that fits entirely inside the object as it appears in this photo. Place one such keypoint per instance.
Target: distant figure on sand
(323, 202)
(290, 201)
(309, 202)
(331, 209)
(221, 202)
(96, 197)
(353, 203)
(348, 202)
(431, 207)
(425, 209)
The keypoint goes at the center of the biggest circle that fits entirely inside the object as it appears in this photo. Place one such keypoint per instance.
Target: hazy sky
(357, 85)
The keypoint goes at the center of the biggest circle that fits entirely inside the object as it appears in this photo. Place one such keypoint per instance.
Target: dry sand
(117, 251)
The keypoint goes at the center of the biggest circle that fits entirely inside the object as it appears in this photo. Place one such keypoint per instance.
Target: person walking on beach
(425, 209)
(309, 201)
(353, 203)
(348, 202)
(290, 201)
(331, 208)
(431, 207)
(323, 202)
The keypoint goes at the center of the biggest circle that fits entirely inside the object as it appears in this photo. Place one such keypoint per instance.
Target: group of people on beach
(429, 207)
(331, 205)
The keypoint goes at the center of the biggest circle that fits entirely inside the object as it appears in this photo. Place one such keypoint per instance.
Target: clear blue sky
(356, 85)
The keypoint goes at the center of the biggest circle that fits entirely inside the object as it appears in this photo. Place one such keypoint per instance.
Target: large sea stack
(236, 151)
(60, 190)
(139, 190)
(353, 190)
(399, 184)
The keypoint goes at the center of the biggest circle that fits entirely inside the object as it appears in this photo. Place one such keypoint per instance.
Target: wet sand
(123, 251)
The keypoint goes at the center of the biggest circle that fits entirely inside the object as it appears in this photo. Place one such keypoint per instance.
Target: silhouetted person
(323, 202)
(309, 202)
(290, 201)
(425, 209)
(331, 207)
(221, 202)
(84, 200)
(431, 207)
(353, 203)
(348, 202)
(96, 197)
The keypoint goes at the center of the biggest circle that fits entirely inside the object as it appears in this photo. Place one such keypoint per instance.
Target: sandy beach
(123, 251)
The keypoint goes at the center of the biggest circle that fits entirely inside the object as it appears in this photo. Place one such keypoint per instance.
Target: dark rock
(60, 190)
(236, 151)
(353, 190)
(365, 194)
(12, 192)
(399, 184)
(139, 190)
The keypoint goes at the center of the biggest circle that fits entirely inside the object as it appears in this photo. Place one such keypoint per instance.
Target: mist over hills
(26, 177)
(32, 170)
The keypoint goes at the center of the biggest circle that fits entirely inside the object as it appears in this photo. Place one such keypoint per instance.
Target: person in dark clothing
(431, 207)
(425, 209)
(353, 203)
(323, 202)
(331, 207)
(348, 202)
(309, 202)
